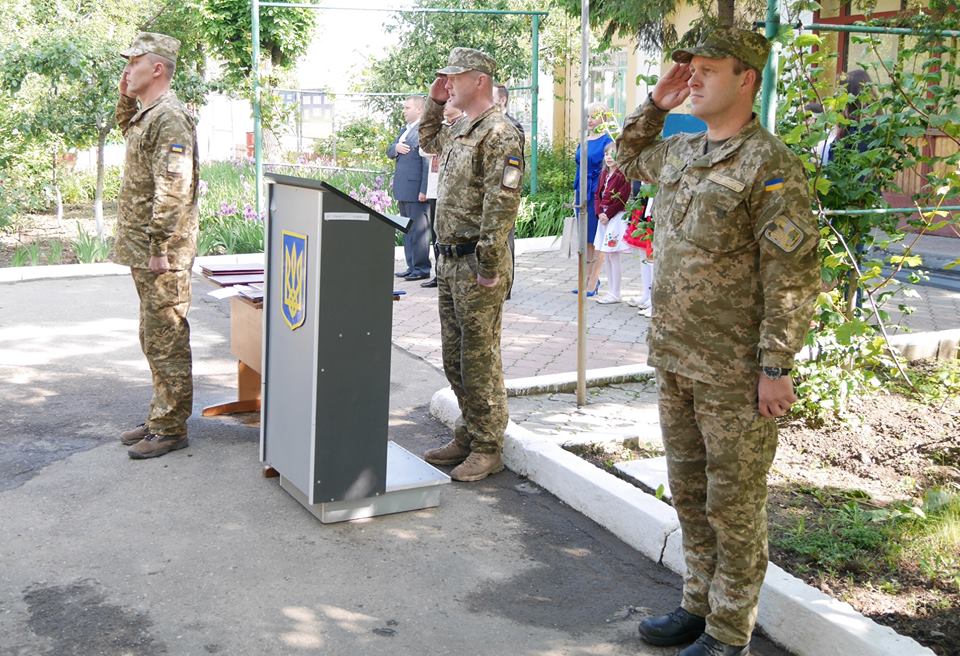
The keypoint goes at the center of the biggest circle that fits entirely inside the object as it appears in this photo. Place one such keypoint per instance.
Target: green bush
(542, 214)
(79, 187)
(556, 168)
(361, 143)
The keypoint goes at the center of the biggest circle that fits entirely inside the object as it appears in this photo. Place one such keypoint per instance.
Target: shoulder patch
(784, 234)
(773, 184)
(512, 172)
(176, 148)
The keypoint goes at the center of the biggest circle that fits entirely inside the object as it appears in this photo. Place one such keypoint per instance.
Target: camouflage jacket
(157, 213)
(737, 269)
(481, 172)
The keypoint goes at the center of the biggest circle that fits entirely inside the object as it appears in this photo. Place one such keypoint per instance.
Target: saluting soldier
(477, 199)
(156, 233)
(736, 277)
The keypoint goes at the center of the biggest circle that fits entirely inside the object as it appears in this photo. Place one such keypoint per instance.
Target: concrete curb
(792, 613)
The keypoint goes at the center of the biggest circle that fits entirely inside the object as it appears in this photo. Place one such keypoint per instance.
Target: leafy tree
(883, 131)
(648, 22)
(426, 39)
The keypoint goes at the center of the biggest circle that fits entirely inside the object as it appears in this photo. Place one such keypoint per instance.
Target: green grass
(845, 534)
(28, 255)
(55, 252)
(90, 248)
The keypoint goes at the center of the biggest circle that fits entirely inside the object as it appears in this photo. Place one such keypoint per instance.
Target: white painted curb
(792, 613)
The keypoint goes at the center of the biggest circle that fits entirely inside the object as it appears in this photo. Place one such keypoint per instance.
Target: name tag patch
(726, 181)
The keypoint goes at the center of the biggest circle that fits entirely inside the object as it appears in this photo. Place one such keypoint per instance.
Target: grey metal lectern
(328, 306)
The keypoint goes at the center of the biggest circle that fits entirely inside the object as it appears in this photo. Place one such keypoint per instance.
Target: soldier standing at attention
(477, 199)
(156, 234)
(736, 277)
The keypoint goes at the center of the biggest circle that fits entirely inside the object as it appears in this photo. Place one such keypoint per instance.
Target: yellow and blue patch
(512, 172)
(773, 184)
(293, 272)
(176, 148)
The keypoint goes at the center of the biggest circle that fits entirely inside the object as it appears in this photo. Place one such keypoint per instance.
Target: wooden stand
(246, 339)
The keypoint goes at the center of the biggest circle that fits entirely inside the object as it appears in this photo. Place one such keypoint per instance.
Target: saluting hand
(438, 90)
(672, 89)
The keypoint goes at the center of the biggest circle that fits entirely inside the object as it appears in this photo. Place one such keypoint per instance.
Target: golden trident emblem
(294, 280)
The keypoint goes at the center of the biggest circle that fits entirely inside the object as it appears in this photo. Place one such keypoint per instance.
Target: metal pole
(768, 92)
(875, 29)
(582, 208)
(893, 210)
(416, 10)
(257, 127)
(535, 103)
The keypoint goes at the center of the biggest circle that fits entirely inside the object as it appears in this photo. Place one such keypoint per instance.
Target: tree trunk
(98, 194)
(725, 12)
(56, 189)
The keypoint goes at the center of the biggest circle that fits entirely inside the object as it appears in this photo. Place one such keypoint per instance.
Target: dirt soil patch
(43, 229)
(895, 449)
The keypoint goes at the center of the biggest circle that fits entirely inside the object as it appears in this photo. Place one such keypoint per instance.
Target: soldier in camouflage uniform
(478, 195)
(736, 277)
(156, 234)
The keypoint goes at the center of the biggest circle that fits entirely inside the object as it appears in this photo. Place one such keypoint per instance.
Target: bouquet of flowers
(639, 232)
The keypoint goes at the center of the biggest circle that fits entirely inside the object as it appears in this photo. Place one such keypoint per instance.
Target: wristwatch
(774, 373)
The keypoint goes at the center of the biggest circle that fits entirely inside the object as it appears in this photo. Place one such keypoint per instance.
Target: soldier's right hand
(123, 83)
(672, 89)
(438, 90)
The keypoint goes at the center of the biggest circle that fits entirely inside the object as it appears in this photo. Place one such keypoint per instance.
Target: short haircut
(502, 91)
(169, 66)
(420, 100)
(739, 66)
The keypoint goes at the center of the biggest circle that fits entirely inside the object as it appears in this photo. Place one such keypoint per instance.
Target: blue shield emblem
(293, 272)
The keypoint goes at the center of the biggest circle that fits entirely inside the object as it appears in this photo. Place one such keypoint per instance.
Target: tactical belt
(456, 250)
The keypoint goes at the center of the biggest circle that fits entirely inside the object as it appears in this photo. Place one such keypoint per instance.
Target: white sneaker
(646, 312)
(638, 302)
(607, 299)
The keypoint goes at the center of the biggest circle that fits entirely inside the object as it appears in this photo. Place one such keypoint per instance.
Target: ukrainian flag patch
(773, 184)
(176, 148)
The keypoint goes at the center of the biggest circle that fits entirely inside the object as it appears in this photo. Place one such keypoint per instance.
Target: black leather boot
(675, 628)
(707, 645)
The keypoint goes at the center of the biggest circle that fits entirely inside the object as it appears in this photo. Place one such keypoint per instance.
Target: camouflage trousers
(165, 341)
(719, 450)
(470, 321)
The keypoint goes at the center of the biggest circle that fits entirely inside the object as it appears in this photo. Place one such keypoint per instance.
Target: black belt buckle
(456, 250)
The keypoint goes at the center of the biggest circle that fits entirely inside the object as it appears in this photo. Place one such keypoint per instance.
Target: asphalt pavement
(196, 553)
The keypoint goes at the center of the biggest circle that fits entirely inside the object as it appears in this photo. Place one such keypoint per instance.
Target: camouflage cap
(467, 59)
(749, 47)
(158, 44)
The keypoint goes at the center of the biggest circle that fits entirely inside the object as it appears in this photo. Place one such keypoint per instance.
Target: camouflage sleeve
(502, 161)
(640, 153)
(126, 109)
(172, 165)
(789, 263)
(433, 134)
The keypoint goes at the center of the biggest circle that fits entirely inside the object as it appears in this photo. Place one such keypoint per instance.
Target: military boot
(153, 445)
(477, 466)
(675, 628)
(707, 645)
(451, 453)
(134, 435)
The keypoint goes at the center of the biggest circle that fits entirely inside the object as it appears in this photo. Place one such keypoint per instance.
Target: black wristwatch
(774, 373)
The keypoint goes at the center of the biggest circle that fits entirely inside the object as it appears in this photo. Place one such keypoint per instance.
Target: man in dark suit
(410, 190)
